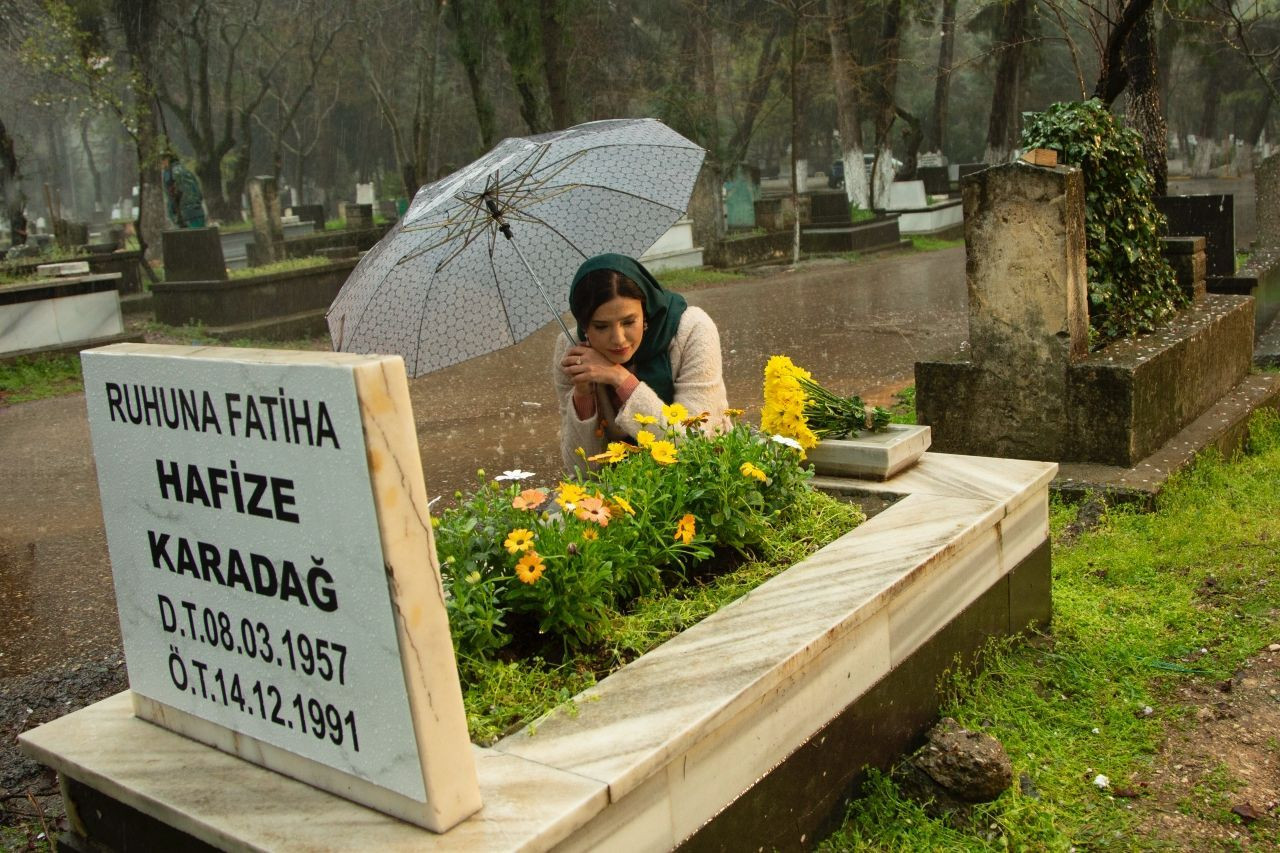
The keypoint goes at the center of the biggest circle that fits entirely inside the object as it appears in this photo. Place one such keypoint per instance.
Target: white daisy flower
(789, 442)
(514, 475)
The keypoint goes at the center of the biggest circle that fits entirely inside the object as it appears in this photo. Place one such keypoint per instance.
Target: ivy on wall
(1131, 288)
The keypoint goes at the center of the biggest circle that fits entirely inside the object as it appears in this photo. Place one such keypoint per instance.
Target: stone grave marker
(1266, 180)
(193, 254)
(1210, 216)
(275, 571)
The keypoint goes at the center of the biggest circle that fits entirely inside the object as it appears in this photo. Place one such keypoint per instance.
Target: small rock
(1204, 714)
(967, 766)
(1246, 812)
(1101, 782)
(1027, 788)
(1274, 647)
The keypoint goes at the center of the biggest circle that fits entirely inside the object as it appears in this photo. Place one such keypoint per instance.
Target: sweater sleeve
(699, 378)
(574, 433)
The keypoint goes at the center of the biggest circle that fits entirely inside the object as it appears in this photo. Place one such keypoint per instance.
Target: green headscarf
(662, 311)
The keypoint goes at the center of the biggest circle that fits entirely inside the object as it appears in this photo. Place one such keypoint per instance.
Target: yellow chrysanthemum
(785, 399)
(615, 452)
(518, 540)
(568, 493)
(734, 413)
(674, 413)
(686, 529)
(644, 438)
(591, 534)
(623, 504)
(749, 470)
(645, 420)
(663, 452)
(530, 568)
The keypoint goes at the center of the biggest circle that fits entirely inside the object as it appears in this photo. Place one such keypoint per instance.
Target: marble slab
(67, 268)
(347, 681)
(61, 320)
(663, 745)
(873, 455)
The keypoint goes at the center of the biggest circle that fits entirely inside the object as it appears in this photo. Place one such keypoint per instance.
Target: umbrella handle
(541, 291)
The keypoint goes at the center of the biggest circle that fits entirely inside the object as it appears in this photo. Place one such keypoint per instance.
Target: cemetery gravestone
(275, 570)
(193, 254)
(1211, 216)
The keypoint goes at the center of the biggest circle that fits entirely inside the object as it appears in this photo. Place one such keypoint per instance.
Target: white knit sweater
(699, 381)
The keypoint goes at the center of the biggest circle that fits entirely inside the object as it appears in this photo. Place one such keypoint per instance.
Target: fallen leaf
(1129, 793)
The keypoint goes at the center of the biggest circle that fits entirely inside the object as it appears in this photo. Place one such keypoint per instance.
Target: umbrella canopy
(484, 257)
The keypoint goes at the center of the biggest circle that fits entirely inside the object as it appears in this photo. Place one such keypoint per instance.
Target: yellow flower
(593, 509)
(749, 470)
(674, 414)
(518, 540)
(529, 499)
(569, 494)
(645, 420)
(581, 452)
(734, 413)
(663, 452)
(644, 438)
(591, 534)
(473, 578)
(686, 529)
(623, 504)
(615, 452)
(530, 568)
(697, 420)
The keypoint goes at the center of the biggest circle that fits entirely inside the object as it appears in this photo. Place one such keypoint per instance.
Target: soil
(1216, 780)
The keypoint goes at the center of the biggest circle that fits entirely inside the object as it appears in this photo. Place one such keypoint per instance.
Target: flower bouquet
(797, 407)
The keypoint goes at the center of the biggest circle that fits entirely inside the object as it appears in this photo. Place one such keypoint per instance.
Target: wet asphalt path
(858, 328)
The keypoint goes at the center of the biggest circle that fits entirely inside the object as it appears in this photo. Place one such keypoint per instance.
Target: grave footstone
(310, 213)
(193, 254)
(358, 216)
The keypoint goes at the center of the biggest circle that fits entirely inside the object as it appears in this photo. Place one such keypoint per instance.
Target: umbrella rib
(573, 155)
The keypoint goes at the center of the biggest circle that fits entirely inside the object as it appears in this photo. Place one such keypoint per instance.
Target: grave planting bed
(752, 726)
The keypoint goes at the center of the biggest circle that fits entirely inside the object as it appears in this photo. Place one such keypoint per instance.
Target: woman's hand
(585, 367)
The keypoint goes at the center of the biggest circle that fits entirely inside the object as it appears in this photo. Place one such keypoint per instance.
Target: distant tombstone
(1211, 216)
(964, 170)
(268, 232)
(193, 254)
(387, 209)
(1266, 199)
(365, 194)
(740, 194)
(274, 570)
(358, 216)
(906, 195)
(310, 213)
(937, 179)
(830, 210)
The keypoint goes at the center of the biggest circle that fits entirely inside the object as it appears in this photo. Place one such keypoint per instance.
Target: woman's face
(616, 328)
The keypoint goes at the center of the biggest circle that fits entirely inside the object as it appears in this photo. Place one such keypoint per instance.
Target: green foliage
(691, 277)
(1146, 609)
(38, 378)
(1131, 288)
(537, 567)
(903, 410)
(501, 696)
(287, 265)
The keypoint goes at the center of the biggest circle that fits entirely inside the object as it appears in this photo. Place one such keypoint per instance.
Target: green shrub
(537, 564)
(1131, 288)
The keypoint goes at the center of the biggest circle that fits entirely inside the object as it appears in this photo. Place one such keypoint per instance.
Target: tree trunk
(1145, 112)
(1002, 127)
(795, 139)
(912, 138)
(14, 201)
(469, 31)
(885, 87)
(936, 137)
(844, 75)
(1113, 77)
(555, 67)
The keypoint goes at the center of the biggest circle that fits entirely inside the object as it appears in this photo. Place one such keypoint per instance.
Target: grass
(903, 410)
(287, 265)
(38, 378)
(1130, 615)
(924, 243)
(683, 279)
(501, 696)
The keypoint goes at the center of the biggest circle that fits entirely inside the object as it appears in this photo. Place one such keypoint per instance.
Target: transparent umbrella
(484, 257)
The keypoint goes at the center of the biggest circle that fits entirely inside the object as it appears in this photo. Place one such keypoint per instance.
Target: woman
(642, 347)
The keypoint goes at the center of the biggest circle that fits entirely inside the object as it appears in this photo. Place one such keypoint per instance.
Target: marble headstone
(275, 571)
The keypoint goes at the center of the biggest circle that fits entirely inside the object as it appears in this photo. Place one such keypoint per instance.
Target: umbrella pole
(542, 291)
